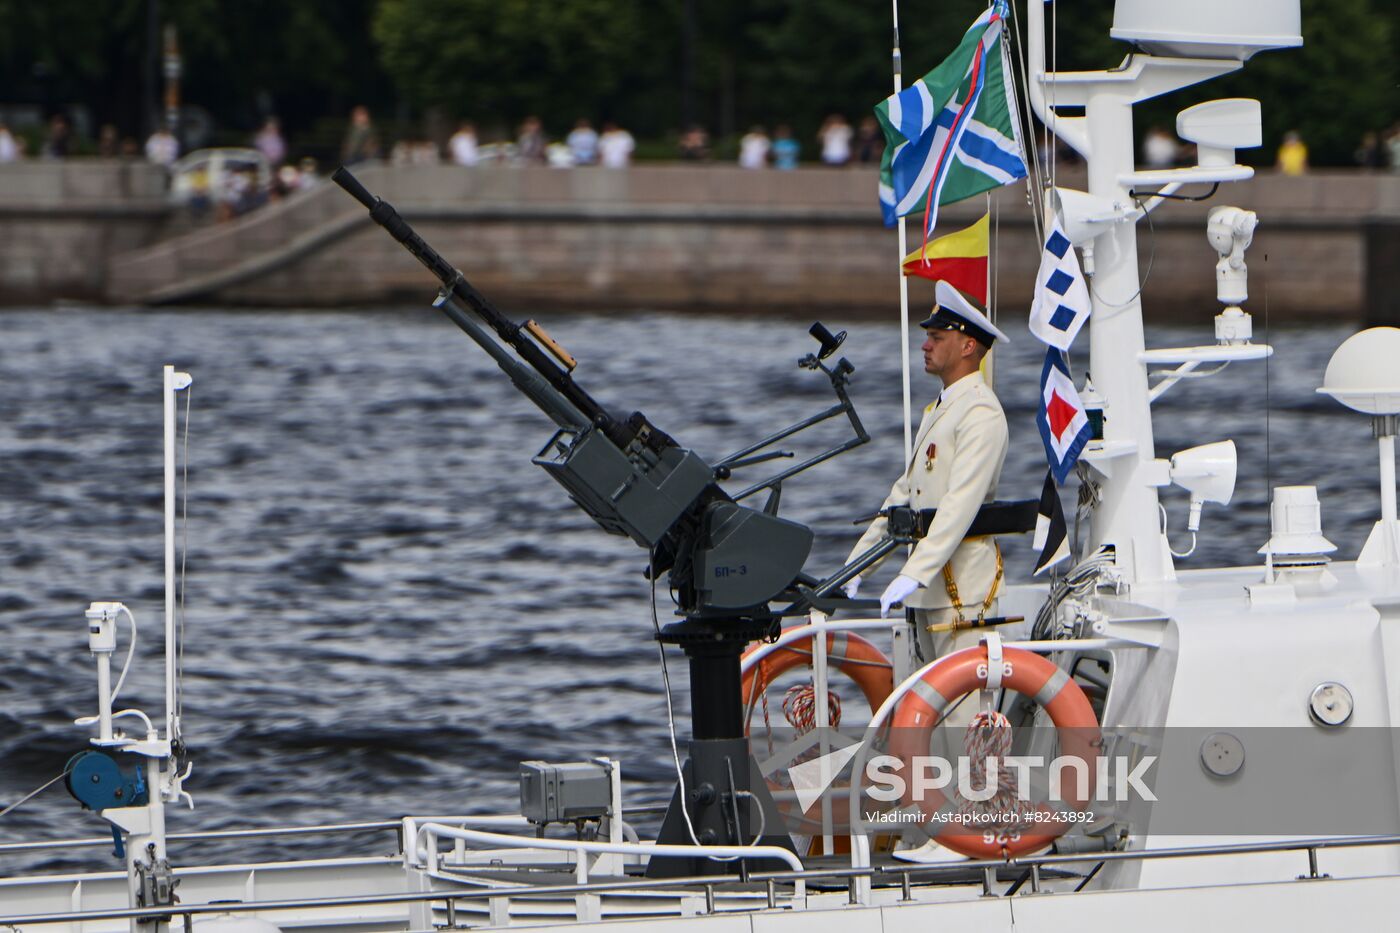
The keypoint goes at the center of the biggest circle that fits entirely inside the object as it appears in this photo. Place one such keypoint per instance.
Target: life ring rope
(856, 657)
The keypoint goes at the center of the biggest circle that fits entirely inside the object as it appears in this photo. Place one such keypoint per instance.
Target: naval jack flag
(1064, 426)
(1051, 533)
(1061, 303)
(951, 134)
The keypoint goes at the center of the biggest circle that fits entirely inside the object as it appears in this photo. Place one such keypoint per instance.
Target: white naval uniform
(966, 431)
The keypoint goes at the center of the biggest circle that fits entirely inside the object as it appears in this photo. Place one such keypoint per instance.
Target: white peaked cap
(953, 309)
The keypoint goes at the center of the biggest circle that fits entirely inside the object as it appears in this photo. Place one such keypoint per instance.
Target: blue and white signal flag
(1061, 304)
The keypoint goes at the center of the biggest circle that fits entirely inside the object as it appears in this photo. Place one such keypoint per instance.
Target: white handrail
(800, 632)
(503, 840)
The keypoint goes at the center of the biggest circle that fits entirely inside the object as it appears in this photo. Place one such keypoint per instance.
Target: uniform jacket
(966, 432)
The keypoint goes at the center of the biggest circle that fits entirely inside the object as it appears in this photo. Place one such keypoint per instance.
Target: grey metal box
(553, 793)
(640, 497)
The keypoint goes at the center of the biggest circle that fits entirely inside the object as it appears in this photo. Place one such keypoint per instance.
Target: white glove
(851, 587)
(900, 588)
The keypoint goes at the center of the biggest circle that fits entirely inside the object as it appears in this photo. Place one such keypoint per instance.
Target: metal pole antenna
(903, 279)
(172, 382)
(989, 361)
(1385, 438)
(170, 652)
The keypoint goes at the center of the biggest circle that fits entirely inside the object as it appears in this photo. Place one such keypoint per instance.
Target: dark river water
(389, 607)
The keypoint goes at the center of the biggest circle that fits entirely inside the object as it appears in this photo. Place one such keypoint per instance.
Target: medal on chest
(929, 454)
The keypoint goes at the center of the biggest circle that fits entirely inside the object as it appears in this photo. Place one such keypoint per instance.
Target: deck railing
(903, 875)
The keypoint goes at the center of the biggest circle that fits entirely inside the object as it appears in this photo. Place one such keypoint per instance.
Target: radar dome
(1362, 373)
(1208, 28)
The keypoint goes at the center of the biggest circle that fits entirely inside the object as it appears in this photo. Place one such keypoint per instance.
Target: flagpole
(903, 279)
(991, 301)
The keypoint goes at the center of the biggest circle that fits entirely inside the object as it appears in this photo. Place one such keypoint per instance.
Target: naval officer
(958, 454)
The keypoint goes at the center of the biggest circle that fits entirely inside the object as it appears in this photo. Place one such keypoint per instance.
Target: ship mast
(1126, 465)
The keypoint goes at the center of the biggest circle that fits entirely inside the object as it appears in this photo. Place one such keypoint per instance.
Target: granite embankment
(662, 236)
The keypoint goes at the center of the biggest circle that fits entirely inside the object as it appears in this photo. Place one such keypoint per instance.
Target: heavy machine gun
(727, 561)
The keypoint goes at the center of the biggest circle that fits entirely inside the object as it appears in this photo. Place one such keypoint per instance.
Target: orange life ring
(852, 655)
(858, 659)
(1029, 674)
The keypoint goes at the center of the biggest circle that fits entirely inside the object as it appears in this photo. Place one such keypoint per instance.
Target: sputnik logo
(810, 779)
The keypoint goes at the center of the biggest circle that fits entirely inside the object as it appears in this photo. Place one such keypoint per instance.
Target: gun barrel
(511, 333)
(342, 176)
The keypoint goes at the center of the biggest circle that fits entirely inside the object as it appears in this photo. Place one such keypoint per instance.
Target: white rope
(1054, 69)
(989, 736)
(1035, 177)
(800, 708)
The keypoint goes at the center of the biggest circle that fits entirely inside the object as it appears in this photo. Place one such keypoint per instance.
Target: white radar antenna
(1361, 375)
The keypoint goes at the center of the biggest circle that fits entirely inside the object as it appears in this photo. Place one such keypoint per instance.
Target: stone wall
(63, 223)
(722, 238)
(665, 236)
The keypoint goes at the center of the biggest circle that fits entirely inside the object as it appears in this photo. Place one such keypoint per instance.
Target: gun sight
(830, 342)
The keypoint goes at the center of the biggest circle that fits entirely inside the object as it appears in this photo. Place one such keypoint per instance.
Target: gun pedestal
(724, 791)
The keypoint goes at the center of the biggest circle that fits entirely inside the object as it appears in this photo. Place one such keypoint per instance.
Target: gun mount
(727, 561)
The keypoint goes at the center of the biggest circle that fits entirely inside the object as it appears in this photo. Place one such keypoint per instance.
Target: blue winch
(99, 782)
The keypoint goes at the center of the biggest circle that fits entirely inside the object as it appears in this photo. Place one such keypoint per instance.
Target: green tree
(784, 61)
(1339, 85)
(499, 61)
(754, 61)
(297, 58)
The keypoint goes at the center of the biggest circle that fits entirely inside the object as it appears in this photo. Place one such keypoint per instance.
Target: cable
(1079, 582)
(34, 793)
(150, 727)
(671, 716)
(1268, 450)
(1142, 282)
(131, 650)
(1035, 183)
(762, 817)
(1088, 497)
(135, 713)
(1189, 551)
(1141, 196)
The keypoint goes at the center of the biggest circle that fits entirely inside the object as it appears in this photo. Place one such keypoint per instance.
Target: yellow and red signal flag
(960, 259)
